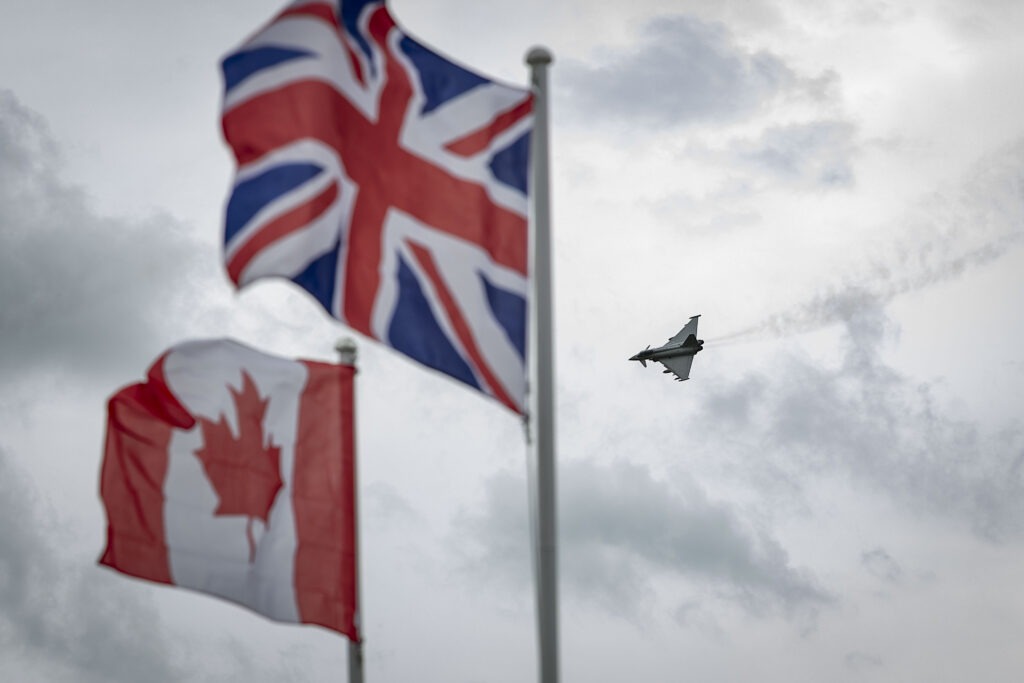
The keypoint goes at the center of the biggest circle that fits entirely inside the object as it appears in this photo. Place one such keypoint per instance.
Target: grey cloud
(500, 533)
(693, 615)
(812, 154)
(866, 420)
(881, 565)
(861, 662)
(622, 510)
(66, 622)
(620, 527)
(684, 70)
(79, 289)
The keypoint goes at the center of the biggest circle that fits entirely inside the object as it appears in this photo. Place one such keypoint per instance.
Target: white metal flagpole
(543, 381)
(346, 349)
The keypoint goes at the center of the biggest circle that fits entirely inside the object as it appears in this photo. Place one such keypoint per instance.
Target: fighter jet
(677, 355)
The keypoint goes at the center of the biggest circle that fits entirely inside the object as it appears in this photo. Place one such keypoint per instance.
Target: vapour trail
(971, 228)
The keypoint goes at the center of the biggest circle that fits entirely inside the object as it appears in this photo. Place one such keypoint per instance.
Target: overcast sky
(837, 494)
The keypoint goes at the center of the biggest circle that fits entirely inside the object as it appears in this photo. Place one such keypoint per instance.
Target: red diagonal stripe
(458, 322)
(326, 14)
(282, 226)
(481, 139)
(315, 10)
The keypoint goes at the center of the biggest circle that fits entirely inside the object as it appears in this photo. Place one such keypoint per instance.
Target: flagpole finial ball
(539, 55)
(346, 348)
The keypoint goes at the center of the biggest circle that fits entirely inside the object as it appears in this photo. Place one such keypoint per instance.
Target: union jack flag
(388, 182)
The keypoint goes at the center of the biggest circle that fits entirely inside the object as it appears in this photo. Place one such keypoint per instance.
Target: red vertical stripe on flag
(324, 500)
(140, 420)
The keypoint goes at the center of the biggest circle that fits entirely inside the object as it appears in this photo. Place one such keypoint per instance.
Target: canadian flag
(231, 472)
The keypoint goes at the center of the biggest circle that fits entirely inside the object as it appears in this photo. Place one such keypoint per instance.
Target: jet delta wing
(677, 354)
(688, 329)
(678, 366)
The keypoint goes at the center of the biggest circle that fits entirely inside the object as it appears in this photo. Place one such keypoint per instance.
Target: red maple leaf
(245, 471)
